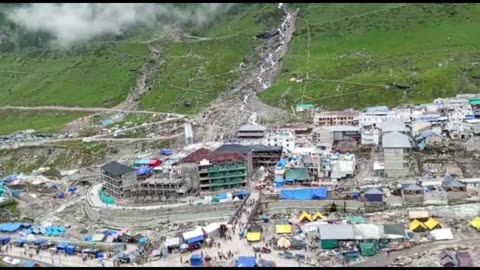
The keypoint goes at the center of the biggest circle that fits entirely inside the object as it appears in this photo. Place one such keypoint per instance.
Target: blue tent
(373, 195)
(222, 196)
(26, 264)
(279, 181)
(10, 227)
(39, 241)
(143, 240)
(70, 249)
(89, 238)
(72, 189)
(196, 239)
(4, 240)
(107, 123)
(246, 261)
(166, 151)
(21, 241)
(304, 193)
(143, 171)
(62, 245)
(61, 195)
(196, 259)
(282, 163)
(243, 193)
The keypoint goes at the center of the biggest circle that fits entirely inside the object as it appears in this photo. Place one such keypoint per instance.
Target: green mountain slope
(366, 54)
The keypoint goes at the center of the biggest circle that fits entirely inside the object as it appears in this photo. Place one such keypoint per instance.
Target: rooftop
(117, 169)
(248, 127)
(393, 125)
(395, 140)
(339, 128)
(338, 113)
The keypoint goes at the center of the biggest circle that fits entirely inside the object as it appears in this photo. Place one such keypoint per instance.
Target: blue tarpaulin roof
(246, 261)
(10, 227)
(142, 161)
(63, 245)
(243, 193)
(166, 151)
(26, 264)
(279, 179)
(89, 238)
(21, 241)
(39, 241)
(72, 189)
(144, 170)
(222, 196)
(282, 163)
(195, 239)
(4, 239)
(304, 193)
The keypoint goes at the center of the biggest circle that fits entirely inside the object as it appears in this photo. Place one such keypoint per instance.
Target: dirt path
(81, 109)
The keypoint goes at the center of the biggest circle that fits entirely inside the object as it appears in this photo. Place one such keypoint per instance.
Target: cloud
(75, 22)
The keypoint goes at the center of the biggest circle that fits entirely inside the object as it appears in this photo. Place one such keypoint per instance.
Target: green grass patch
(12, 120)
(363, 55)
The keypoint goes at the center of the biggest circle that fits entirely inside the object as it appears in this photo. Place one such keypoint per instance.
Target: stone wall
(292, 206)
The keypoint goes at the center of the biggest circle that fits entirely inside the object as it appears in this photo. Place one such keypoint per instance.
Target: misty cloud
(70, 23)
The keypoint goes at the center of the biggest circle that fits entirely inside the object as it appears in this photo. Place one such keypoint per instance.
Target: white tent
(172, 242)
(442, 234)
(192, 234)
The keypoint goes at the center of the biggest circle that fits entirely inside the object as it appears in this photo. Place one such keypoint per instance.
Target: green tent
(475, 101)
(350, 255)
(215, 200)
(329, 244)
(356, 219)
(106, 199)
(368, 249)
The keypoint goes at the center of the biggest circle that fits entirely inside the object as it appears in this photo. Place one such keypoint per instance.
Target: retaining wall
(293, 206)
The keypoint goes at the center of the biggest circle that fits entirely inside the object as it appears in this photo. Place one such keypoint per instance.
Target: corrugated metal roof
(393, 125)
(368, 231)
(196, 156)
(395, 140)
(249, 127)
(340, 128)
(336, 232)
(117, 169)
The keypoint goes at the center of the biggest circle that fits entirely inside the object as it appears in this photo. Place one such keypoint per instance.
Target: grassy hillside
(196, 71)
(11, 121)
(365, 54)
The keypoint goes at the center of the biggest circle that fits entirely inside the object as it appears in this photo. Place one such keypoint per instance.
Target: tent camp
(318, 216)
(442, 234)
(283, 243)
(305, 216)
(246, 261)
(419, 215)
(194, 236)
(475, 223)
(283, 229)
(368, 249)
(417, 226)
(432, 224)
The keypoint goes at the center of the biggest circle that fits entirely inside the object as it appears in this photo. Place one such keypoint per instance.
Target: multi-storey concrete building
(396, 148)
(217, 171)
(251, 132)
(283, 138)
(331, 134)
(336, 118)
(118, 179)
(258, 155)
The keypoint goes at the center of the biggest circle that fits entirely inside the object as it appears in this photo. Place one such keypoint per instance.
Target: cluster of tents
(430, 224)
(122, 236)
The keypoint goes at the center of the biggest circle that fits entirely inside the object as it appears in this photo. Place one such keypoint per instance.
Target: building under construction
(216, 171)
(258, 155)
(160, 189)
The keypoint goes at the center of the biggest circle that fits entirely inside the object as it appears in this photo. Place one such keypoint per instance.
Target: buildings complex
(294, 155)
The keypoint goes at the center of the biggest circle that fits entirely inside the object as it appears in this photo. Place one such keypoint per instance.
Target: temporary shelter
(336, 232)
(442, 234)
(318, 216)
(246, 261)
(475, 223)
(417, 226)
(279, 181)
(194, 236)
(70, 249)
(304, 193)
(368, 249)
(283, 243)
(373, 195)
(39, 241)
(254, 236)
(172, 242)
(305, 216)
(464, 259)
(166, 151)
(432, 224)
(355, 219)
(4, 240)
(329, 244)
(283, 229)
(419, 215)
(394, 231)
(196, 259)
(62, 246)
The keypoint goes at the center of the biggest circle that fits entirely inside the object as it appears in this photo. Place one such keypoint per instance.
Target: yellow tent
(254, 236)
(305, 216)
(416, 225)
(286, 228)
(475, 223)
(318, 215)
(432, 223)
(283, 243)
